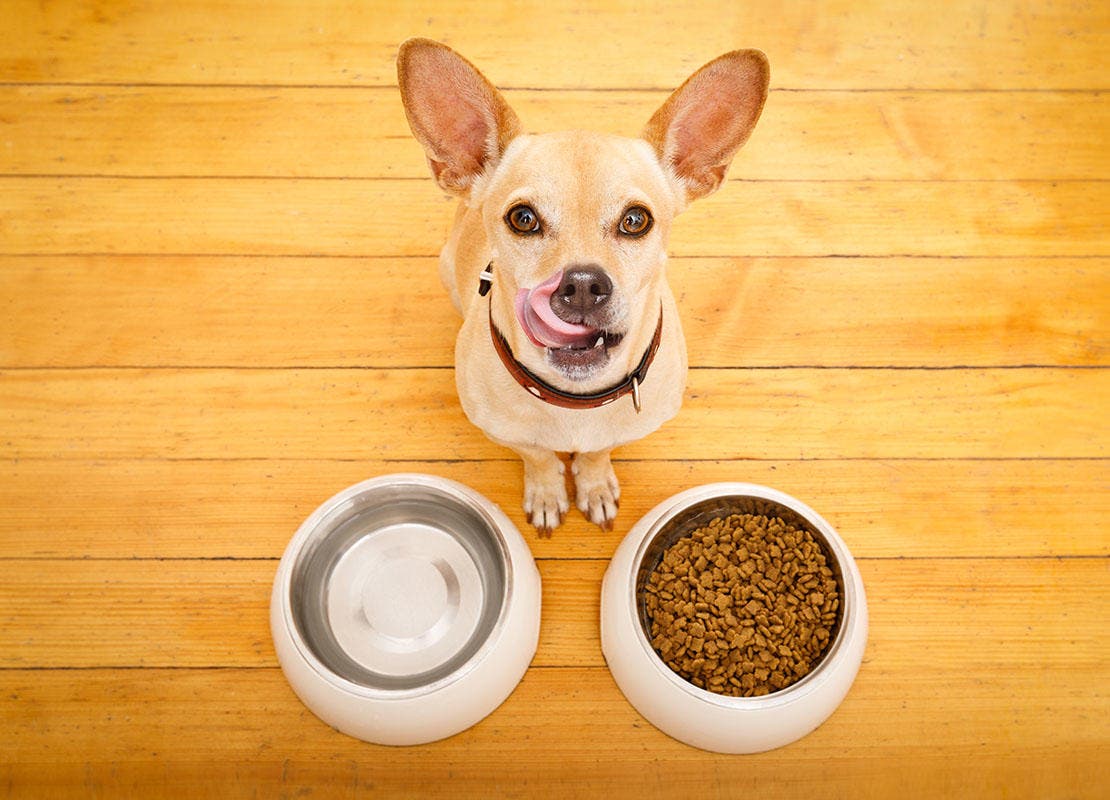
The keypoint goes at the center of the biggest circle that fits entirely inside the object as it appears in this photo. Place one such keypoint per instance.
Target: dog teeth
(600, 343)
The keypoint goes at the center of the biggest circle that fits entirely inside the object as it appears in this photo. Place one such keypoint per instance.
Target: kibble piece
(745, 605)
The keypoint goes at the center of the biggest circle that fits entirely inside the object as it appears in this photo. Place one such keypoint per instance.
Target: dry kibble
(757, 610)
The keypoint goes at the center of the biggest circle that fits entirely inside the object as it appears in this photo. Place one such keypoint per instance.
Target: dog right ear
(705, 121)
(457, 115)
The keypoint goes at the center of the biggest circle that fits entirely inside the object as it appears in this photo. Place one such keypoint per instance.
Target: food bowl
(696, 716)
(405, 609)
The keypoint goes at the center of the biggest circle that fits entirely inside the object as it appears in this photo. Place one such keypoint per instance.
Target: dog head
(575, 223)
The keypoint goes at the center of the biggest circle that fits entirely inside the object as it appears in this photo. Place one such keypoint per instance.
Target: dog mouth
(576, 349)
(581, 362)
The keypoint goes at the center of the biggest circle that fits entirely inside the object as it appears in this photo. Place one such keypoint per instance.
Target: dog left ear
(455, 113)
(706, 120)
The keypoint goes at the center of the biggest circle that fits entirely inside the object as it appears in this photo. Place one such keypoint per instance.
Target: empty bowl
(697, 716)
(405, 609)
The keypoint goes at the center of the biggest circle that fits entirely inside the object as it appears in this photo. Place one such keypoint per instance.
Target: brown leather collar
(557, 397)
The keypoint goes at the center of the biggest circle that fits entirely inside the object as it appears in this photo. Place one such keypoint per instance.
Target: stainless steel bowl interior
(684, 520)
(410, 506)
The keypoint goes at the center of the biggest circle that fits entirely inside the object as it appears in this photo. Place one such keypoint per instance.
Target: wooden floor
(219, 305)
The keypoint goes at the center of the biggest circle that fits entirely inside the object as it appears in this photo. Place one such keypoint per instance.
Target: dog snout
(583, 293)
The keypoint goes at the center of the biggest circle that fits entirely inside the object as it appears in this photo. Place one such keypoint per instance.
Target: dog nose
(584, 289)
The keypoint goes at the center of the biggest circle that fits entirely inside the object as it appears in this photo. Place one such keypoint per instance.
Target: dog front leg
(545, 488)
(597, 491)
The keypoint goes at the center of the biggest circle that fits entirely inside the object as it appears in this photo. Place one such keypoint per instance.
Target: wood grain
(179, 216)
(155, 509)
(106, 613)
(757, 413)
(234, 731)
(362, 133)
(82, 311)
(827, 45)
(219, 306)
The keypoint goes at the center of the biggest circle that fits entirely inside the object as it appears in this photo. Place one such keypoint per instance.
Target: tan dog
(570, 340)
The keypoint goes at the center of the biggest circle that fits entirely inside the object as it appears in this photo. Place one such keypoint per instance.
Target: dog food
(744, 605)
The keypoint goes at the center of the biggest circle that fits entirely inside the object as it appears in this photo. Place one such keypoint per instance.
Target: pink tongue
(543, 327)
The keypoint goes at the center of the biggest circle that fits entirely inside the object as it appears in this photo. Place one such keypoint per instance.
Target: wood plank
(236, 733)
(999, 693)
(361, 217)
(1019, 772)
(66, 508)
(80, 311)
(355, 132)
(59, 614)
(149, 444)
(1014, 771)
(728, 414)
(842, 44)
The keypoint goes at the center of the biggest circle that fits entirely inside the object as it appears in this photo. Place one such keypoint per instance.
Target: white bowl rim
(649, 526)
(452, 488)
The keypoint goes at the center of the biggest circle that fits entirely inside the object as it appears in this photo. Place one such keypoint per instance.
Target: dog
(570, 340)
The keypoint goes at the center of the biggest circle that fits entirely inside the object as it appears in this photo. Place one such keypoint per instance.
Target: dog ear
(455, 113)
(705, 121)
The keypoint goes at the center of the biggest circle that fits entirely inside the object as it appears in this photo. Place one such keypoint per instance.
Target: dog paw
(597, 491)
(545, 502)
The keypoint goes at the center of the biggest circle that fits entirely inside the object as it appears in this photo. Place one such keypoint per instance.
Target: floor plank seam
(124, 176)
(215, 668)
(443, 367)
(537, 559)
(232, 176)
(670, 258)
(548, 89)
(464, 461)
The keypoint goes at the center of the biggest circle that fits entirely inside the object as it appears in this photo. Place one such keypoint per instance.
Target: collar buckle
(485, 280)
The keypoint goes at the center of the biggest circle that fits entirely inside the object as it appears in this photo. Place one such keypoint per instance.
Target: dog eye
(523, 220)
(636, 221)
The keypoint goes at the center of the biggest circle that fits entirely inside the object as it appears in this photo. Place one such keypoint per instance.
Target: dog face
(575, 223)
